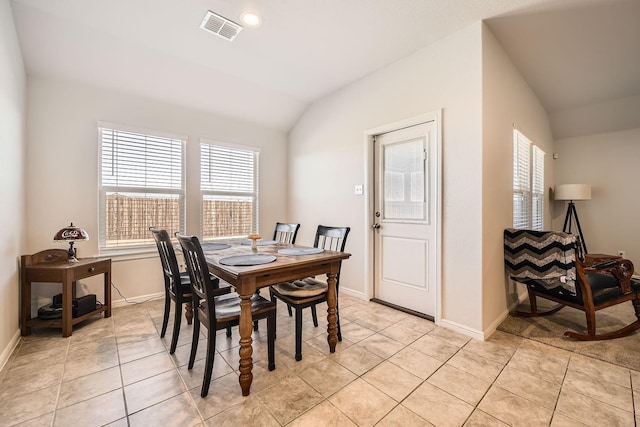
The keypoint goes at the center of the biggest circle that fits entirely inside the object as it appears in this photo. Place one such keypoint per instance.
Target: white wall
(62, 175)
(508, 102)
(609, 116)
(327, 158)
(12, 188)
(610, 163)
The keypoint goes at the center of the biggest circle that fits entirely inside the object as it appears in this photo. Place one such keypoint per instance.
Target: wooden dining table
(247, 279)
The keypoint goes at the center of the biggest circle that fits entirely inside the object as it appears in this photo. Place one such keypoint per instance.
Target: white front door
(405, 226)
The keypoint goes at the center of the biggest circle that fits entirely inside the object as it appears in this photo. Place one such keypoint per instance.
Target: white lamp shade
(572, 192)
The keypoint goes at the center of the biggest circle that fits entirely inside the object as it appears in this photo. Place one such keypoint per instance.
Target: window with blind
(528, 183)
(141, 185)
(229, 189)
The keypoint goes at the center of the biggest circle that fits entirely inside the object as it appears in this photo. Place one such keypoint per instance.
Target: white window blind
(141, 185)
(229, 187)
(528, 183)
(537, 189)
(521, 180)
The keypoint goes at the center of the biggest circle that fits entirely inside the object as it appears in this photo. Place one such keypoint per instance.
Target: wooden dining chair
(217, 309)
(177, 286)
(286, 233)
(310, 292)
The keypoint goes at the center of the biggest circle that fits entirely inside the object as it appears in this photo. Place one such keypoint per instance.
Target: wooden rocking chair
(547, 263)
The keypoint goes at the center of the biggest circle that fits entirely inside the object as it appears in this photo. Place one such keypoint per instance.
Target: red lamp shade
(71, 234)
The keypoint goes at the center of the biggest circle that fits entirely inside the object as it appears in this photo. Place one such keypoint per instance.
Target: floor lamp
(573, 192)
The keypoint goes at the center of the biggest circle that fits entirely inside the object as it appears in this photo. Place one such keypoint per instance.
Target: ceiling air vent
(220, 26)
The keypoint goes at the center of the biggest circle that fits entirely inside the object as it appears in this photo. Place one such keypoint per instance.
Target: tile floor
(391, 369)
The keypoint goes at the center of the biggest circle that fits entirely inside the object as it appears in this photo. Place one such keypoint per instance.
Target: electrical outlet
(621, 254)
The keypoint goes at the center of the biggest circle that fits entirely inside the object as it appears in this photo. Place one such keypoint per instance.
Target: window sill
(118, 255)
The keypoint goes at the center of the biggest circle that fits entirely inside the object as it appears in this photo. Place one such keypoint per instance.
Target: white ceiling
(582, 60)
(306, 49)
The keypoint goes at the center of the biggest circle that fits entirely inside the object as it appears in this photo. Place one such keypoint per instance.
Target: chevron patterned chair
(548, 263)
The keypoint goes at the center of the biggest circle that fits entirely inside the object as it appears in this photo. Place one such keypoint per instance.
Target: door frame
(436, 117)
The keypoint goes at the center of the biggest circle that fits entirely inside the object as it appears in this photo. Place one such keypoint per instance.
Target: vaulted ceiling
(573, 53)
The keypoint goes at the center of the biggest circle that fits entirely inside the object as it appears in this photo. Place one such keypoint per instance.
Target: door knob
(376, 226)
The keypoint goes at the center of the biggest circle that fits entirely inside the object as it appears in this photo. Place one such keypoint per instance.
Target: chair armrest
(604, 264)
(590, 259)
(621, 269)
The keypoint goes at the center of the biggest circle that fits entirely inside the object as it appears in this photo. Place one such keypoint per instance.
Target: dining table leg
(332, 318)
(246, 349)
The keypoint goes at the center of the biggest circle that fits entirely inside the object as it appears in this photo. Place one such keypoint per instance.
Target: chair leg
(208, 367)
(591, 327)
(229, 332)
(255, 322)
(607, 336)
(289, 310)
(271, 336)
(298, 334)
(188, 312)
(194, 343)
(591, 322)
(314, 315)
(167, 308)
(272, 297)
(533, 304)
(176, 328)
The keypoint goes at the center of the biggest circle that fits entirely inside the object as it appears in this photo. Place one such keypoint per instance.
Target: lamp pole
(568, 220)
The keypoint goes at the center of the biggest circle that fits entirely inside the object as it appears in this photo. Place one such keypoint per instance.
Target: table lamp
(572, 192)
(71, 234)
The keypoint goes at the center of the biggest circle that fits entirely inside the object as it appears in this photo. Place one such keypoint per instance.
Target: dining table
(273, 263)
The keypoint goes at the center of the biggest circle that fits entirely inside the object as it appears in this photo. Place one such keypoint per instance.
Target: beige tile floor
(391, 369)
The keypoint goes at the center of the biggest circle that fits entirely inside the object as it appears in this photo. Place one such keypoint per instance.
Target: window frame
(253, 195)
(143, 245)
(528, 183)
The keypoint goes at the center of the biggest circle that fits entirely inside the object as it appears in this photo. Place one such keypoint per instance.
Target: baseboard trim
(494, 326)
(6, 353)
(359, 295)
(403, 309)
(136, 300)
(473, 333)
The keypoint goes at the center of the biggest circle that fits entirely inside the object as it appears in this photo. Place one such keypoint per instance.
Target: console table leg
(67, 306)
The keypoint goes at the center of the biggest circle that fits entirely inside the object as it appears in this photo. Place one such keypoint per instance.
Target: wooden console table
(52, 266)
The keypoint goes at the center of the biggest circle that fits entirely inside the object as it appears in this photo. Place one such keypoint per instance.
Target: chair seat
(304, 288)
(603, 286)
(228, 307)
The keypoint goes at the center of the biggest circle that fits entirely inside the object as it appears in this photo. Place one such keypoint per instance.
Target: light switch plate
(358, 190)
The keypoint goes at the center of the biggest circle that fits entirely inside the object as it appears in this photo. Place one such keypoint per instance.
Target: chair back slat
(286, 233)
(167, 258)
(331, 238)
(202, 284)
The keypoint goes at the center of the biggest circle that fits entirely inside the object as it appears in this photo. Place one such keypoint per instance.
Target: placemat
(261, 242)
(300, 251)
(246, 260)
(215, 246)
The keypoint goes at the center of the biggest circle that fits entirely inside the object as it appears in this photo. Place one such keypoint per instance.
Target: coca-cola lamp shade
(71, 234)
